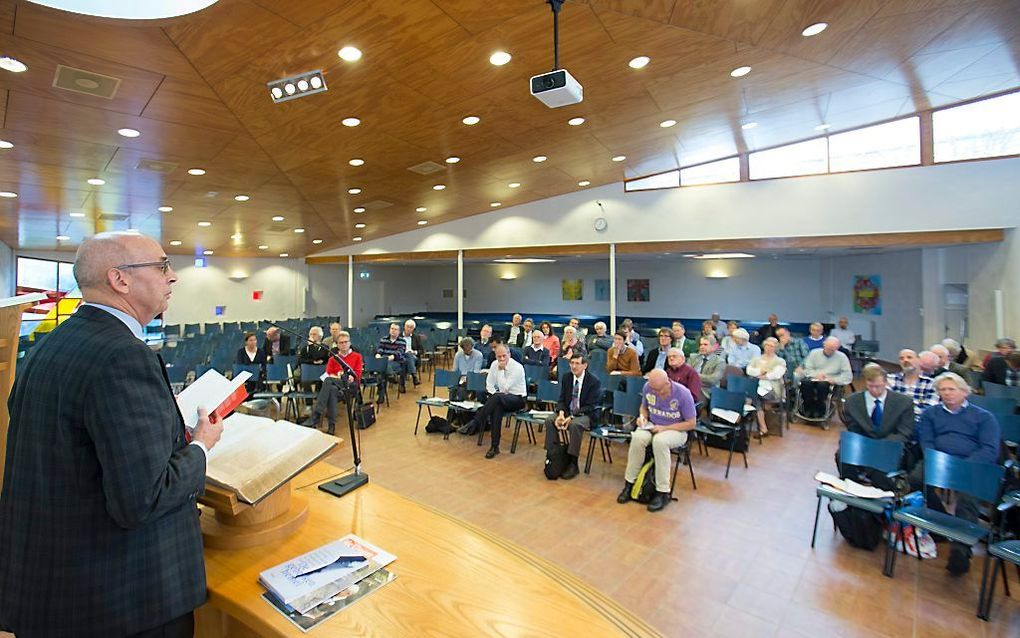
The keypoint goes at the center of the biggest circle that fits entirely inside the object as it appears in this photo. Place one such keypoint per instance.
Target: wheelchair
(834, 400)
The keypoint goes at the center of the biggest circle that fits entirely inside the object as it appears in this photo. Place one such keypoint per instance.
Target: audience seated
(942, 353)
(823, 369)
(572, 343)
(681, 340)
(769, 329)
(600, 340)
(928, 362)
(680, 372)
(726, 342)
(962, 429)
(313, 352)
(276, 344)
(337, 378)
(529, 327)
(1003, 347)
(394, 348)
(770, 371)
(334, 330)
(741, 351)
(793, 352)
(1003, 370)
(250, 353)
(576, 411)
(633, 339)
(955, 365)
(708, 330)
(536, 354)
(815, 338)
(656, 357)
(667, 414)
(506, 389)
(415, 348)
(622, 359)
(515, 353)
(721, 329)
(550, 341)
(484, 344)
(575, 323)
(469, 359)
(877, 413)
(845, 335)
(911, 382)
(708, 364)
(516, 337)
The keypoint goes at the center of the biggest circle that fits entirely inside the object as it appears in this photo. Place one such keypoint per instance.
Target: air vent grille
(87, 82)
(426, 168)
(376, 204)
(156, 166)
(113, 217)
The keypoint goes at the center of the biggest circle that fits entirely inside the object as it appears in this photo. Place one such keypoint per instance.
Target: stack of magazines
(314, 586)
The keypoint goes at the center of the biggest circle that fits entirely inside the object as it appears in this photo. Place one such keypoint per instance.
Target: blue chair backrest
(172, 330)
(626, 404)
(444, 379)
(253, 369)
(177, 374)
(276, 372)
(201, 369)
(999, 391)
(376, 364)
(981, 480)
(1009, 425)
(995, 405)
(548, 392)
(310, 372)
(738, 383)
(285, 359)
(212, 328)
(476, 382)
(857, 449)
(727, 400)
(634, 385)
(534, 374)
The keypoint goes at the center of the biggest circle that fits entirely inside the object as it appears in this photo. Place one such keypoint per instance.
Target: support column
(612, 288)
(350, 291)
(460, 290)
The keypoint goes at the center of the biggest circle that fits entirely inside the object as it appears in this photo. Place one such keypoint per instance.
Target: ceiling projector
(557, 88)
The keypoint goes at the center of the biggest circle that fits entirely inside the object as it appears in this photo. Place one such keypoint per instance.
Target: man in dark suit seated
(580, 396)
(878, 413)
(276, 344)
(656, 357)
(101, 479)
(1003, 370)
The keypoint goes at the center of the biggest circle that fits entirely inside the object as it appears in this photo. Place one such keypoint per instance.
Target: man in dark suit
(657, 356)
(576, 411)
(276, 343)
(100, 483)
(877, 413)
(1004, 370)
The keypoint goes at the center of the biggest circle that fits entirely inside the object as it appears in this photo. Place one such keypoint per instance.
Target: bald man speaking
(99, 532)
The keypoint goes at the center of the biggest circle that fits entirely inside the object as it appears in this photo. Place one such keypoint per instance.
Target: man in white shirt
(507, 390)
(844, 334)
(516, 337)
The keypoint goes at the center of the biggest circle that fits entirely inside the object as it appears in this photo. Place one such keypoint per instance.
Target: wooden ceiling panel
(997, 71)
(655, 10)
(986, 24)
(844, 20)
(743, 20)
(192, 103)
(34, 148)
(476, 17)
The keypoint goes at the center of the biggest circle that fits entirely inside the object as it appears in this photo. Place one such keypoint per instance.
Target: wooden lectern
(11, 310)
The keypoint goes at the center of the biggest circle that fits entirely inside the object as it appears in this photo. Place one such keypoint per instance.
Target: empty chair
(999, 391)
(733, 434)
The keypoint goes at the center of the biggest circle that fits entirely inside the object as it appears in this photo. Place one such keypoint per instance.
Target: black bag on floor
(556, 459)
(365, 416)
(438, 425)
(722, 440)
(860, 528)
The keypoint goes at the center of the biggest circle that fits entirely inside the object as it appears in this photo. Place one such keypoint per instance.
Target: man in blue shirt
(959, 428)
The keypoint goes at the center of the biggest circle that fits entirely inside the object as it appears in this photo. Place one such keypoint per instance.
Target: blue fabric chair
(725, 399)
(999, 406)
(634, 385)
(855, 449)
(1010, 428)
(441, 379)
(999, 391)
(549, 393)
(980, 480)
(1008, 550)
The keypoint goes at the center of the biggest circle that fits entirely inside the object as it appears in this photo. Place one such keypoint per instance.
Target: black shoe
(625, 494)
(468, 428)
(403, 389)
(493, 451)
(570, 472)
(312, 421)
(331, 429)
(416, 380)
(659, 501)
(959, 560)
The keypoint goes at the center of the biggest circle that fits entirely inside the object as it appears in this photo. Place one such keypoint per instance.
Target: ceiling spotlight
(420, 209)
(128, 132)
(538, 159)
(471, 120)
(196, 171)
(62, 238)
(823, 127)
(205, 224)
(285, 254)
(499, 58)
(6, 144)
(350, 121)
(207, 252)
(176, 242)
(575, 121)
(356, 238)
(12, 65)
(453, 159)
(667, 123)
(299, 230)
(514, 184)
(165, 209)
(241, 198)
(8, 194)
(95, 181)
(619, 158)
(359, 209)
(357, 161)
(740, 71)
(639, 62)
(76, 214)
(584, 182)
(814, 29)
(439, 187)
(359, 225)
(354, 191)
(236, 236)
(747, 126)
(263, 247)
(349, 54)
(316, 241)
(296, 86)
(422, 222)
(495, 204)
(278, 218)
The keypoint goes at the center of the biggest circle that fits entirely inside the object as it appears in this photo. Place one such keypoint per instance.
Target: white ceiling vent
(113, 217)
(376, 204)
(156, 166)
(81, 81)
(426, 168)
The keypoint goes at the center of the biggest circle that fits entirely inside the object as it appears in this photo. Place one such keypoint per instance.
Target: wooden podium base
(240, 526)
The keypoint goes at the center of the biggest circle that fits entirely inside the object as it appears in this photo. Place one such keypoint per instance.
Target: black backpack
(860, 528)
(556, 459)
(644, 485)
(438, 425)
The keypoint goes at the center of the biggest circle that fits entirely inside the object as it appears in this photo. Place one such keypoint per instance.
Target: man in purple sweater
(959, 428)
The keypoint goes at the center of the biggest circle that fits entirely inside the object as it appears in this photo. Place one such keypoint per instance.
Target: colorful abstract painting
(638, 290)
(601, 290)
(573, 289)
(868, 294)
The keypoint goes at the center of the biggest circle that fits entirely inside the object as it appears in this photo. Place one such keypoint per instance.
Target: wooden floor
(730, 559)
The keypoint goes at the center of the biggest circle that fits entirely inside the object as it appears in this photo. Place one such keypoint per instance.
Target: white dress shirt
(509, 380)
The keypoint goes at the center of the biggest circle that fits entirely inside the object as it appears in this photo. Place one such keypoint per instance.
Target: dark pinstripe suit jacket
(99, 532)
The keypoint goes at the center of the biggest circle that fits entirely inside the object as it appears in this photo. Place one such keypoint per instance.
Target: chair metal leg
(981, 612)
(890, 551)
(517, 433)
(990, 594)
(729, 459)
(602, 449)
(818, 511)
(690, 466)
(609, 451)
(417, 419)
(591, 453)
(917, 543)
(1005, 580)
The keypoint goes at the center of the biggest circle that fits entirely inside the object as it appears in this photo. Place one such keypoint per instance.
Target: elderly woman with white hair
(770, 370)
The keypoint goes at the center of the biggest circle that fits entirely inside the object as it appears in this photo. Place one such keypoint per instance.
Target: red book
(214, 392)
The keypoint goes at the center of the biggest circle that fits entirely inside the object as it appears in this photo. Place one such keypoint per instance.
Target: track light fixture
(297, 86)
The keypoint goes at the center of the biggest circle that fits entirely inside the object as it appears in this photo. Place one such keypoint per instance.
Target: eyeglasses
(163, 265)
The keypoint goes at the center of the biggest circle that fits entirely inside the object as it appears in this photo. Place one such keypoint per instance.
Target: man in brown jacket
(621, 359)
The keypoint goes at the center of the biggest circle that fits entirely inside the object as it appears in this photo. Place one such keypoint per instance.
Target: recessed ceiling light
(95, 181)
(740, 71)
(420, 209)
(196, 171)
(277, 92)
(349, 54)
(12, 65)
(236, 236)
(722, 256)
(495, 204)
(350, 121)
(316, 241)
(639, 62)
(289, 88)
(359, 209)
(354, 191)
(584, 182)
(263, 247)
(814, 29)
(539, 159)
(514, 184)
(6, 144)
(8, 194)
(62, 238)
(667, 123)
(439, 187)
(205, 224)
(575, 121)
(76, 214)
(128, 132)
(165, 209)
(285, 254)
(278, 218)
(316, 82)
(302, 84)
(471, 120)
(357, 161)
(422, 222)
(619, 158)
(499, 58)
(747, 126)
(299, 230)
(207, 252)
(359, 225)
(176, 242)
(241, 198)
(356, 238)
(823, 127)
(453, 159)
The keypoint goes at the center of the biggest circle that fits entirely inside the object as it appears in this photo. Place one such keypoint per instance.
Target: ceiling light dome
(349, 54)
(499, 58)
(814, 29)
(129, 10)
(639, 62)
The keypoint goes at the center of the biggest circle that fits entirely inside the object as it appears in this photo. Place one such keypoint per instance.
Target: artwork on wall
(868, 294)
(601, 290)
(573, 289)
(219, 311)
(638, 290)
(256, 295)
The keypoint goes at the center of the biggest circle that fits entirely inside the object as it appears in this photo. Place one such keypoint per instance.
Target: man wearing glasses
(102, 477)
(338, 377)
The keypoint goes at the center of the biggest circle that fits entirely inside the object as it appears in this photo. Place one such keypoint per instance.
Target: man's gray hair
(467, 341)
(953, 378)
(676, 351)
(410, 322)
(953, 346)
(315, 329)
(600, 323)
(1005, 342)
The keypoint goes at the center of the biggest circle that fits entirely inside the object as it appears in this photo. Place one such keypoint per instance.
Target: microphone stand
(349, 482)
